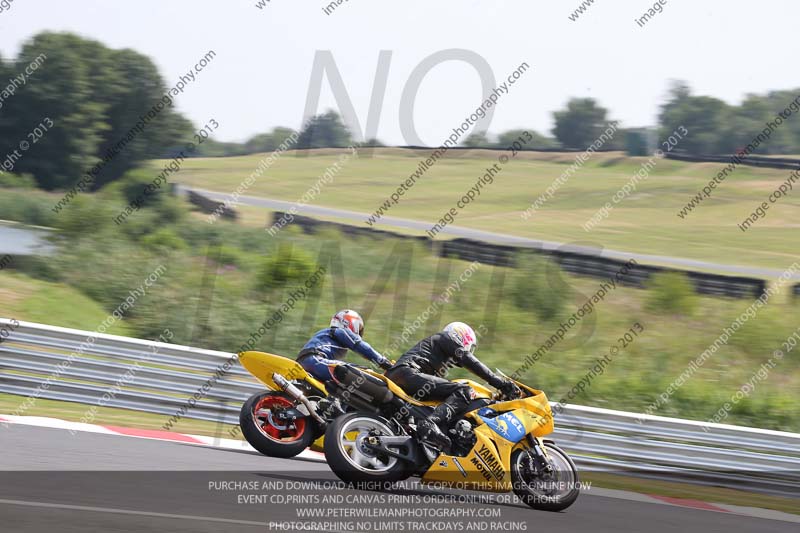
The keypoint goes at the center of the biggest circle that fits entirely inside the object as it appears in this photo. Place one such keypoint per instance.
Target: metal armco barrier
(48, 362)
(208, 205)
(81, 366)
(582, 263)
(752, 160)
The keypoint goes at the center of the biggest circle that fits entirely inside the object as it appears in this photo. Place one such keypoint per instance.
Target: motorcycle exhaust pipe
(290, 389)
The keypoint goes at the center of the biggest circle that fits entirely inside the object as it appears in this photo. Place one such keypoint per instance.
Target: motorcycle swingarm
(288, 414)
(411, 457)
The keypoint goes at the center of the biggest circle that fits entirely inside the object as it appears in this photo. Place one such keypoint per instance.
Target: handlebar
(500, 397)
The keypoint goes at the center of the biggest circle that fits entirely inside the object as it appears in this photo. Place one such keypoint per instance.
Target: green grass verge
(111, 416)
(32, 300)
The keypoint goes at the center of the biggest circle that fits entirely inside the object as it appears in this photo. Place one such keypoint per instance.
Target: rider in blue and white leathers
(328, 347)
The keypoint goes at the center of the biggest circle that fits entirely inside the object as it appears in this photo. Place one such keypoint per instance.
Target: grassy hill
(645, 222)
(32, 300)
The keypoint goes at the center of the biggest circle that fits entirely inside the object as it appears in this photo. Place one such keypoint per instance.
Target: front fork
(538, 457)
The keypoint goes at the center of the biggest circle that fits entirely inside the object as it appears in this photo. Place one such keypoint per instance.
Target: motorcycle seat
(400, 393)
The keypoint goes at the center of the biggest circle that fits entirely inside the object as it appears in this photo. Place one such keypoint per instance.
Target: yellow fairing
(262, 365)
(534, 412)
(318, 445)
(487, 467)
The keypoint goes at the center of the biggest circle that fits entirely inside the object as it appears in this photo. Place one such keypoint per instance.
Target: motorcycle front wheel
(552, 491)
(264, 429)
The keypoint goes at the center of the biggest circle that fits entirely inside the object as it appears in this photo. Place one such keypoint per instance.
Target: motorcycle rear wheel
(266, 433)
(553, 493)
(351, 460)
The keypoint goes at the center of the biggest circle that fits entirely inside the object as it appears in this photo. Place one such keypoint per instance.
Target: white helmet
(348, 319)
(463, 335)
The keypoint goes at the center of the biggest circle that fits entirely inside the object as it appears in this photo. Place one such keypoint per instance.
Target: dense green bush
(539, 286)
(172, 210)
(671, 293)
(107, 268)
(17, 181)
(28, 207)
(287, 266)
(138, 189)
(83, 214)
(138, 224)
(228, 255)
(163, 239)
(37, 266)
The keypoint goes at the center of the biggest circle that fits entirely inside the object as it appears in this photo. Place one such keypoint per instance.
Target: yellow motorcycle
(289, 417)
(498, 443)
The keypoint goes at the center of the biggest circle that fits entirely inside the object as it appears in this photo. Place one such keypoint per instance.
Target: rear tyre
(352, 461)
(550, 492)
(266, 432)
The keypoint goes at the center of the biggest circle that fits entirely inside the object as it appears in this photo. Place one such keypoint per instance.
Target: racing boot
(429, 432)
(432, 430)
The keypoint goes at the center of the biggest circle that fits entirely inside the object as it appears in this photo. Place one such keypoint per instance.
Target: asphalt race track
(53, 480)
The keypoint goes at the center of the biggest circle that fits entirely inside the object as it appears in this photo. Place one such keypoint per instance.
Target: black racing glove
(386, 364)
(510, 390)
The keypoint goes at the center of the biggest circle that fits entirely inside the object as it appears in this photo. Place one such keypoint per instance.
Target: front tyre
(269, 433)
(352, 460)
(546, 491)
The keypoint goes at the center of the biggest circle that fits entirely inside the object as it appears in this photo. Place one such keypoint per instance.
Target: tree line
(93, 95)
(717, 128)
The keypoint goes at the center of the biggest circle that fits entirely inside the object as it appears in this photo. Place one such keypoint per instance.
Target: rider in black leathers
(419, 372)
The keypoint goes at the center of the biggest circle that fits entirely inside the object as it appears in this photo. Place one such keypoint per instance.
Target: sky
(260, 77)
